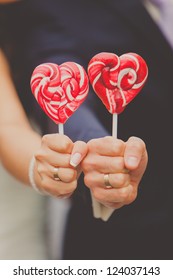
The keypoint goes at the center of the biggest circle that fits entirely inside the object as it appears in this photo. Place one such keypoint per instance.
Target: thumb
(136, 158)
(78, 153)
(134, 152)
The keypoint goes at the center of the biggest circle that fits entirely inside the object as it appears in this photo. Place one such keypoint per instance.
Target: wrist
(31, 175)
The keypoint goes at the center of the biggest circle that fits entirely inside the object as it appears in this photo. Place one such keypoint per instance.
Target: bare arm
(18, 141)
(7, 1)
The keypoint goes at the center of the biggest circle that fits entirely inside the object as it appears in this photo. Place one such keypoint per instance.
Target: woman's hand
(55, 164)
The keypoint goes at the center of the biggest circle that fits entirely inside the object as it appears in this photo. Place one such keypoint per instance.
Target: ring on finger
(107, 182)
(55, 174)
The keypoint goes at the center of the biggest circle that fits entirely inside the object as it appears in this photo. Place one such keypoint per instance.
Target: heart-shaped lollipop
(59, 90)
(117, 80)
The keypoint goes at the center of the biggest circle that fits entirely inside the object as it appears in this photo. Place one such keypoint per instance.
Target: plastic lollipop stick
(116, 81)
(114, 125)
(61, 128)
(97, 208)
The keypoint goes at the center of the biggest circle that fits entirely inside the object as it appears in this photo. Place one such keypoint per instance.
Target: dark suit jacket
(76, 30)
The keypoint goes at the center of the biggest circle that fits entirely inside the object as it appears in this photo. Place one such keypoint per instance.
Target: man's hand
(123, 162)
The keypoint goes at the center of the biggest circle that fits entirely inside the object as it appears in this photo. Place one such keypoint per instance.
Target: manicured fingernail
(75, 159)
(132, 161)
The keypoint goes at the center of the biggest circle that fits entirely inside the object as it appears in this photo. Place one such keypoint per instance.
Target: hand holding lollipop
(59, 90)
(116, 81)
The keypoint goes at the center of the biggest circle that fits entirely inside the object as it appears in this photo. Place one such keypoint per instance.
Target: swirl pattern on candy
(59, 89)
(117, 80)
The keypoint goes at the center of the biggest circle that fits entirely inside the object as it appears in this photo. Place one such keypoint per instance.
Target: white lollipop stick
(97, 208)
(61, 128)
(115, 125)
(105, 211)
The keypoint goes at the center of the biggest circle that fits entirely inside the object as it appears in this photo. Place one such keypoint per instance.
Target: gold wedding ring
(55, 174)
(107, 182)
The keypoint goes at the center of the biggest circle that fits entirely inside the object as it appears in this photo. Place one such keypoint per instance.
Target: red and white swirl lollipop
(59, 89)
(117, 81)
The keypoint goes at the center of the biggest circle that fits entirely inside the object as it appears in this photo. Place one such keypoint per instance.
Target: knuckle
(92, 165)
(40, 154)
(67, 188)
(88, 164)
(45, 138)
(120, 163)
(39, 169)
(92, 144)
(66, 144)
(87, 180)
(71, 188)
(132, 197)
(120, 179)
(108, 140)
(70, 175)
(97, 195)
(117, 146)
(85, 164)
(73, 185)
(123, 194)
(66, 160)
(116, 163)
(112, 164)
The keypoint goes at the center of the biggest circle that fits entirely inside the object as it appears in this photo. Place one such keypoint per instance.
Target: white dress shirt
(162, 14)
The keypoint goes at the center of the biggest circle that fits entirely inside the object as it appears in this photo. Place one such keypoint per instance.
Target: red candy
(117, 80)
(59, 90)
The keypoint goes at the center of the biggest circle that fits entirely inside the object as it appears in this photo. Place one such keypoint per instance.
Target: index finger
(58, 143)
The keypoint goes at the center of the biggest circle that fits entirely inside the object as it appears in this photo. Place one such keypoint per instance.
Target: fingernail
(75, 159)
(132, 161)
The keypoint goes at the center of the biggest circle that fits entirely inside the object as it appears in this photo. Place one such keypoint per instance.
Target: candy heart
(117, 80)
(59, 90)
